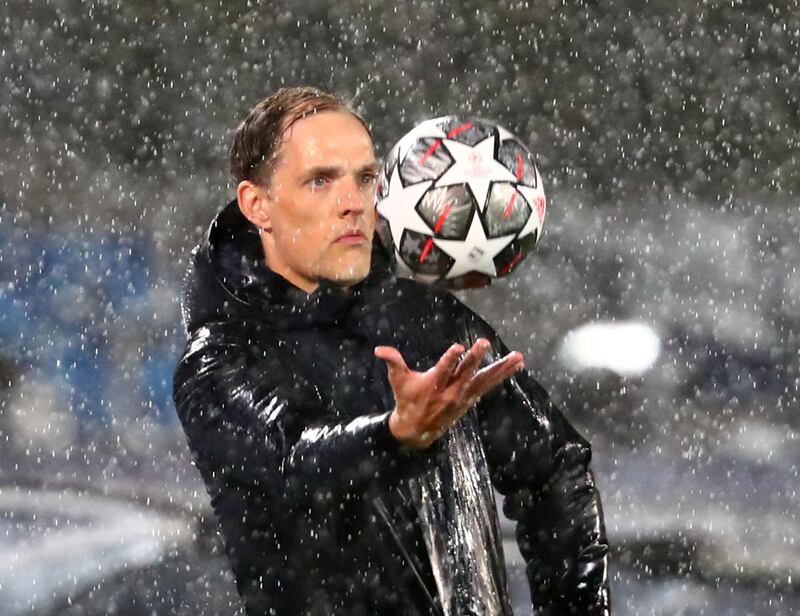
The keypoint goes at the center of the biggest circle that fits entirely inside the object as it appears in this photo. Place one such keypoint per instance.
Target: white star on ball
(476, 252)
(475, 166)
(399, 206)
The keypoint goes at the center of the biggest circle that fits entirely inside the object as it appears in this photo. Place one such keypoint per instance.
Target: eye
(369, 178)
(319, 181)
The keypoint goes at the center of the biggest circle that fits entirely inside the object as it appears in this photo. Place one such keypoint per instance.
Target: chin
(351, 275)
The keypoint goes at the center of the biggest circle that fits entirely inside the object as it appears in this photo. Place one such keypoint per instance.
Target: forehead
(326, 138)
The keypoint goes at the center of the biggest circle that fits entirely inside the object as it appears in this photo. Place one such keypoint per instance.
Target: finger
(445, 366)
(499, 371)
(472, 359)
(492, 375)
(394, 360)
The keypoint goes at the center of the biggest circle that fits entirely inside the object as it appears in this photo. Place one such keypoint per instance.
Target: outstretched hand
(428, 403)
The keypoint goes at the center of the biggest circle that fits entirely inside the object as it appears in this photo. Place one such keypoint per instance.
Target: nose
(351, 200)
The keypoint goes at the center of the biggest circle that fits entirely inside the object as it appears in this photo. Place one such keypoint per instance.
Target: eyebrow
(335, 170)
(330, 170)
(374, 166)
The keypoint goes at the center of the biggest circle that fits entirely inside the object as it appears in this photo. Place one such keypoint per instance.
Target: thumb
(394, 360)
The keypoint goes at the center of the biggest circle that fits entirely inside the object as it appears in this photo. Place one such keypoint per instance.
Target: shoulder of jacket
(215, 336)
(231, 353)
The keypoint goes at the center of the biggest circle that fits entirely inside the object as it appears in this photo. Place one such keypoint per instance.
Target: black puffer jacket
(321, 510)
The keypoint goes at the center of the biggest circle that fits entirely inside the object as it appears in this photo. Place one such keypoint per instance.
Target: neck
(278, 267)
(308, 286)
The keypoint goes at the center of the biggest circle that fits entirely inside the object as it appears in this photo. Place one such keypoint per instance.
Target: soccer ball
(459, 199)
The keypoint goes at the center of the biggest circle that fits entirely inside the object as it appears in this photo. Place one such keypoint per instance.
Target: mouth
(351, 237)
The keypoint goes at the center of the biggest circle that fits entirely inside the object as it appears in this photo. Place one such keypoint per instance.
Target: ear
(254, 204)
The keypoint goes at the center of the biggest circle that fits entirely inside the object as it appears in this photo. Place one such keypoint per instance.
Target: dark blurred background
(667, 135)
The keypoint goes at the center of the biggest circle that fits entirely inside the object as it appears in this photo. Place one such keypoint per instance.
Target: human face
(321, 202)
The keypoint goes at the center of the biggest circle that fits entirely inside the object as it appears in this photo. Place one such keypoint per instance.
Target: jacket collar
(228, 278)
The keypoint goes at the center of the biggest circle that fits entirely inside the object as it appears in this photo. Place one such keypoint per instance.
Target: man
(340, 417)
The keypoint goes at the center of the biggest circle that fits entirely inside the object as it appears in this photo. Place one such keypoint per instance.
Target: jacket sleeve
(541, 465)
(267, 428)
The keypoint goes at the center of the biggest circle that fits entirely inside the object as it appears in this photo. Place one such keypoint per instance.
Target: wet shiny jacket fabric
(321, 510)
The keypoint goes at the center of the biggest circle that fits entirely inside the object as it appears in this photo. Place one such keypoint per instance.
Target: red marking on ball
(426, 249)
(540, 205)
(430, 151)
(439, 223)
(510, 205)
(437, 227)
(514, 260)
(459, 129)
